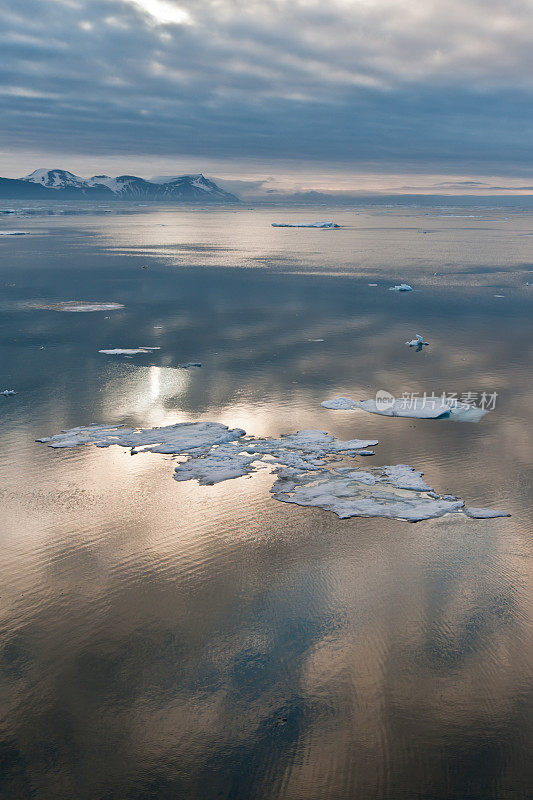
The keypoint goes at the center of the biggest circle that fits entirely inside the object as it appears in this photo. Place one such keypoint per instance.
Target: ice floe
(485, 513)
(354, 493)
(422, 408)
(306, 449)
(178, 438)
(305, 225)
(124, 351)
(340, 404)
(415, 408)
(401, 287)
(418, 342)
(216, 453)
(77, 306)
(222, 464)
(14, 233)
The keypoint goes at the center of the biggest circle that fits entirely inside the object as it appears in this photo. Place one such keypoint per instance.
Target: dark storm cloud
(410, 84)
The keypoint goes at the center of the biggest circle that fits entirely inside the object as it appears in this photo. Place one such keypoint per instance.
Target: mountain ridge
(62, 184)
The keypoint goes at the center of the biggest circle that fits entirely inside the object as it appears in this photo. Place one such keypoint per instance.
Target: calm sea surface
(168, 640)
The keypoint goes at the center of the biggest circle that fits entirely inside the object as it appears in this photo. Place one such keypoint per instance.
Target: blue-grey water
(170, 640)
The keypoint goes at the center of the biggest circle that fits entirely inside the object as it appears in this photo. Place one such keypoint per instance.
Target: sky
(279, 95)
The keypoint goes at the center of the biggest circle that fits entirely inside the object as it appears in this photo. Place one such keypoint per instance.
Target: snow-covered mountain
(55, 179)
(197, 186)
(59, 183)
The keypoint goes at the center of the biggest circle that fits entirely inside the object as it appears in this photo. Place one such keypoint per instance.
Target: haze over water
(163, 639)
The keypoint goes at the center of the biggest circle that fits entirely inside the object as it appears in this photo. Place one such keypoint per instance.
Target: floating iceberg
(401, 287)
(415, 408)
(216, 453)
(305, 225)
(8, 392)
(124, 351)
(418, 342)
(77, 306)
(14, 233)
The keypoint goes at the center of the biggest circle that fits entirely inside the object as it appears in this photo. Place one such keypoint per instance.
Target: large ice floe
(214, 453)
(128, 351)
(413, 408)
(396, 492)
(76, 306)
(191, 437)
(305, 225)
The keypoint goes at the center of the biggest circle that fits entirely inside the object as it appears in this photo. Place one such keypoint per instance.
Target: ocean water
(169, 640)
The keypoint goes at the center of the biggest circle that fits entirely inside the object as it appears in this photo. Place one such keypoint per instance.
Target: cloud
(163, 12)
(388, 84)
(243, 188)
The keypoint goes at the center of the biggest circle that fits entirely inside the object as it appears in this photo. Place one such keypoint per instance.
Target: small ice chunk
(372, 284)
(418, 342)
(8, 392)
(340, 404)
(484, 513)
(189, 364)
(124, 351)
(305, 225)
(14, 233)
(401, 287)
